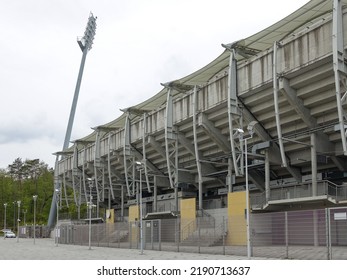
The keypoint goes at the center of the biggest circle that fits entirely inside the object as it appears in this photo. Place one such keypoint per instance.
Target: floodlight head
(238, 133)
(250, 127)
(86, 41)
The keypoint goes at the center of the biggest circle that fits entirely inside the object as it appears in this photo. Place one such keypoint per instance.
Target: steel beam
(322, 140)
(76, 177)
(129, 159)
(234, 115)
(98, 169)
(314, 163)
(214, 133)
(171, 142)
(109, 169)
(276, 104)
(144, 156)
(340, 71)
(296, 103)
(196, 148)
(84, 179)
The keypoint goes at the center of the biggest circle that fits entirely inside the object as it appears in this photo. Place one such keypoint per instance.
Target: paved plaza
(85, 262)
(45, 249)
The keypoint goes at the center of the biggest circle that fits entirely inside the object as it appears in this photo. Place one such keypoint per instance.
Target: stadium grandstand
(261, 126)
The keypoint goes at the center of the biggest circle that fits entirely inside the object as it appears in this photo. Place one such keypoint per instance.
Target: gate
(152, 234)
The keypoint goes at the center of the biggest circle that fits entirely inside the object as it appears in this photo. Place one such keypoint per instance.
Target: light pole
(14, 215)
(85, 44)
(250, 129)
(57, 233)
(34, 198)
(5, 206)
(90, 206)
(140, 168)
(18, 219)
(24, 213)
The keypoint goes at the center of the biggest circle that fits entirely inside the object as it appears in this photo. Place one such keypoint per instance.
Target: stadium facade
(267, 117)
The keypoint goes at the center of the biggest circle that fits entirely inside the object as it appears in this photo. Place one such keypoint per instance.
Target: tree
(20, 181)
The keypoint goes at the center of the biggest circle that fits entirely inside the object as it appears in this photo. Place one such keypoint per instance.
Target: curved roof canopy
(307, 15)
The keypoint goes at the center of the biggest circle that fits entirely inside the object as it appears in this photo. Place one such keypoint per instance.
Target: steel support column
(144, 156)
(129, 159)
(276, 104)
(109, 168)
(267, 176)
(75, 176)
(171, 142)
(234, 115)
(340, 70)
(314, 163)
(98, 169)
(196, 148)
(84, 174)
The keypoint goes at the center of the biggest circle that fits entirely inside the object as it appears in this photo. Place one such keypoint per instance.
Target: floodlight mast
(85, 43)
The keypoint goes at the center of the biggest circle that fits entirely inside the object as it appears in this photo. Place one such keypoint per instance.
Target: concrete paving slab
(45, 249)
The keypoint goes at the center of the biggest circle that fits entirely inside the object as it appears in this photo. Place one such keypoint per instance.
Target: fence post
(199, 227)
(159, 233)
(328, 233)
(223, 235)
(130, 235)
(178, 233)
(286, 234)
(117, 229)
(152, 233)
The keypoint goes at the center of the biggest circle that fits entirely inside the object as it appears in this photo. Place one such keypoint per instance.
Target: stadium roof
(313, 11)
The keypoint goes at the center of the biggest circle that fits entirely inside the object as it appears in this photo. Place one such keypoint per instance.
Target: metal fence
(310, 234)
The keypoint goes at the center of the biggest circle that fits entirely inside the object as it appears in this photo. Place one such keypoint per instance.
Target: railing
(302, 190)
(258, 201)
(187, 230)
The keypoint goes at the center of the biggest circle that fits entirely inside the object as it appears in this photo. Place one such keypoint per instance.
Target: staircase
(203, 231)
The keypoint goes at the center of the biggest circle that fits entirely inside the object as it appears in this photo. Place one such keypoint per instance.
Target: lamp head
(250, 127)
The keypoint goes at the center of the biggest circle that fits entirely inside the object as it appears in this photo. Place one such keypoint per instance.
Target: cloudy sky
(138, 45)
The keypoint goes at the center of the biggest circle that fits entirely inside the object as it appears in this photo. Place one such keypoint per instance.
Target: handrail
(295, 190)
(204, 215)
(187, 230)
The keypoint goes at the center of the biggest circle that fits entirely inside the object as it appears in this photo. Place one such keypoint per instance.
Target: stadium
(261, 127)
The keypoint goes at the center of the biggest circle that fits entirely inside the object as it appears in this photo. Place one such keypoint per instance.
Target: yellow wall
(134, 213)
(188, 217)
(237, 231)
(134, 216)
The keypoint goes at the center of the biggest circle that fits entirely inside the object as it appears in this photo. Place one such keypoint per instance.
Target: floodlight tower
(85, 43)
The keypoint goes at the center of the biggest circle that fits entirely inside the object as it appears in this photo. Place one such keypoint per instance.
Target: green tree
(20, 181)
